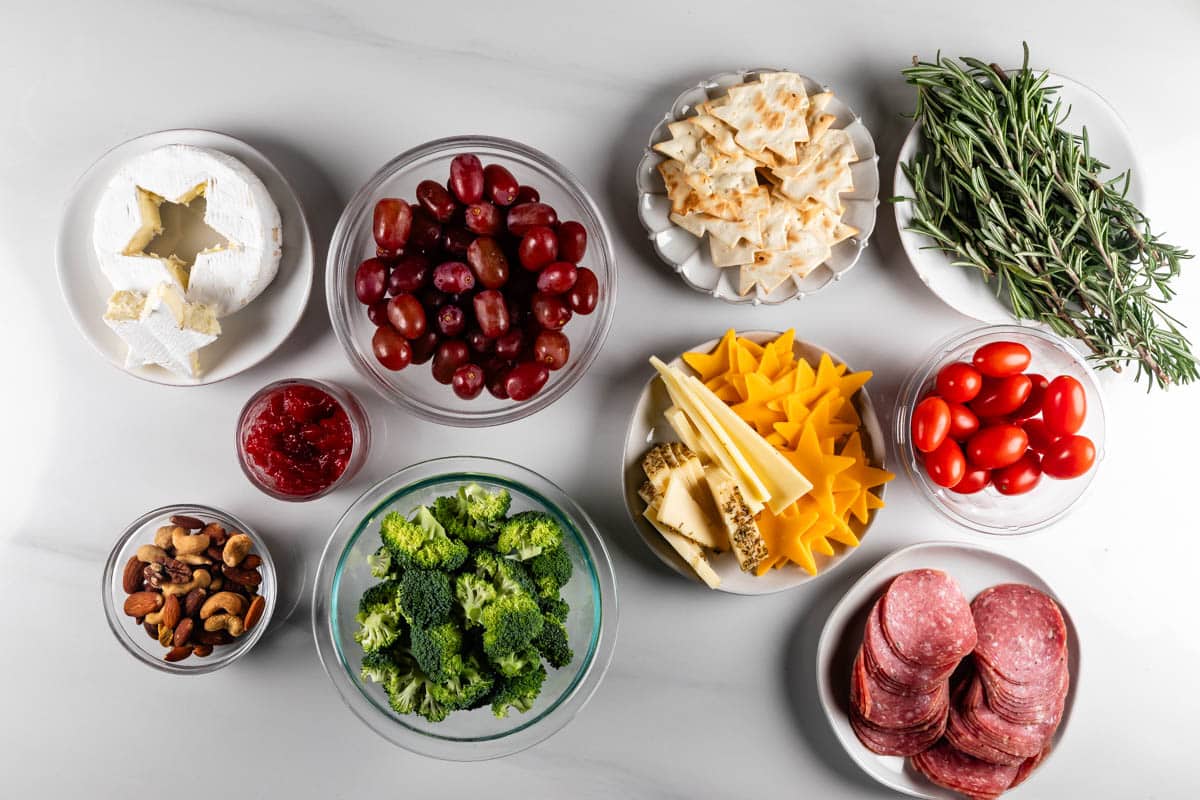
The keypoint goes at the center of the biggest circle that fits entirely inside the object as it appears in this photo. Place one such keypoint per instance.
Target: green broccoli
(519, 691)
(411, 692)
(378, 666)
(512, 664)
(378, 617)
(507, 576)
(421, 542)
(528, 534)
(473, 593)
(473, 514)
(551, 642)
(551, 571)
(438, 650)
(469, 688)
(425, 597)
(554, 607)
(380, 563)
(510, 623)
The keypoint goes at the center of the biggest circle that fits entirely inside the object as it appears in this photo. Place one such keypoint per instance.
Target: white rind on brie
(238, 207)
(161, 327)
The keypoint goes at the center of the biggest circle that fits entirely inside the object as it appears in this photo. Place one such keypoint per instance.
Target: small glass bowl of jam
(298, 439)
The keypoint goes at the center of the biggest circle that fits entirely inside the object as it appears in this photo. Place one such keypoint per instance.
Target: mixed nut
(195, 588)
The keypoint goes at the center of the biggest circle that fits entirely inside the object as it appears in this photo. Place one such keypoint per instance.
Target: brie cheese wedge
(162, 328)
(239, 254)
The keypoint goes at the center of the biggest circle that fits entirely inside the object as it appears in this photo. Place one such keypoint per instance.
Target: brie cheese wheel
(130, 227)
(161, 327)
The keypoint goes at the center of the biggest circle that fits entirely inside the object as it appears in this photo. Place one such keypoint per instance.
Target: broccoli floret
(469, 688)
(473, 593)
(380, 597)
(421, 542)
(507, 576)
(519, 691)
(513, 664)
(554, 607)
(424, 596)
(551, 571)
(411, 692)
(551, 642)
(380, 563)
(379, 620)
(510, 623)
(378, 666)
(438, 650)
(528, 534)
(473, 514)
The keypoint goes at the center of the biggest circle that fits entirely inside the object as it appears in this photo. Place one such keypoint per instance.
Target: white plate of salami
(949, 671)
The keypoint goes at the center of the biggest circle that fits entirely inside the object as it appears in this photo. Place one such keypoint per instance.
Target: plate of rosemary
(1018, 195)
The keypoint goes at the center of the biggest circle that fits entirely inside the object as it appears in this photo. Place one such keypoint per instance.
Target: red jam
(297, 440)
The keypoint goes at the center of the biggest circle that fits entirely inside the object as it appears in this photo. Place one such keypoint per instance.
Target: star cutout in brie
(175, 232)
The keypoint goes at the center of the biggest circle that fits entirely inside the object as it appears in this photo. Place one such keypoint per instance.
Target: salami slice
(893, 671)
(886, 709)
(965, 738)
(1028, 766)
(1021, 632)
(955, 770)
(926, 618)
(1025, 741)
(896, 742)
(1025, 703)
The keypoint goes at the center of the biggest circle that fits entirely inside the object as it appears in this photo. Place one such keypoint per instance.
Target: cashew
(151, 554)
(225, 622)
(229, 602)
(195, 560)
(188, 544)
(162, 536)
(200, 580)
(237, 548)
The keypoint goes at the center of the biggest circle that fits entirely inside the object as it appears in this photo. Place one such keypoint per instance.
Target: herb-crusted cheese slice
(744, 537)
(688, 550)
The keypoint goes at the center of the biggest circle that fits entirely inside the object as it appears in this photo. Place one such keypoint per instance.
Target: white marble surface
(709, 695)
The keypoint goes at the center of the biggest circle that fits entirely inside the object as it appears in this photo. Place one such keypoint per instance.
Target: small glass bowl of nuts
(189, 589)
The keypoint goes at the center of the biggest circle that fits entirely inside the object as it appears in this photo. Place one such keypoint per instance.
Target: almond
(183, 631)
(246, 577)
(178, 653)
(151, 630)
(193, 601)
(202, 650)
(131, 580)
(212, 637)
(184, 521)
(216, 533)
(252, 561)
(139, 604)
(171, 612)
(254, 612)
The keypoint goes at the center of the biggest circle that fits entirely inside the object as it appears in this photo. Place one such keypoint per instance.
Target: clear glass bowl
(342, 576)
(131, 635)
(360, 431)
(988, 511)
(414, 388)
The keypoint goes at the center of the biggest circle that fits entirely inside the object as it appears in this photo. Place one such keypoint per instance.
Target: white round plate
(689, 256)
(247, 336)
(975, 568)
(647, 428)
(962, 288)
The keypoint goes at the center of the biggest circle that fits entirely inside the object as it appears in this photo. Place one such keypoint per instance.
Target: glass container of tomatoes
(471, 281)
(1001, 428)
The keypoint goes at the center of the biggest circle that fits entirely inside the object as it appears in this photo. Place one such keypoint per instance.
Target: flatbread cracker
(768, 114)
(725, 256)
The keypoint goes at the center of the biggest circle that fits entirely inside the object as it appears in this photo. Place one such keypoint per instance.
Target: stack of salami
(983, 730)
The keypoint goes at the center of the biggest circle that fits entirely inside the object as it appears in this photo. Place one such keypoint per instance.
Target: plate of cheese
(184, 257)
(759, 186)
(753, 463)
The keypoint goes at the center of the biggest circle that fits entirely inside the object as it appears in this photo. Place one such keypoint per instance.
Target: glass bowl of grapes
(471, 281)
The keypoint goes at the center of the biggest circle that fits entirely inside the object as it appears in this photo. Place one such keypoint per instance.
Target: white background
(709, 695)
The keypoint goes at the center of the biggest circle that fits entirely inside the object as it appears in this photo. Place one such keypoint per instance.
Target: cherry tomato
(1002, 359)
(963, 422)
(959, 382)
(1069, 457)
(1002, 396)
(997, 446)
(946, 466)
(974, 480)
(1033, 404)
(1020, 477)
(1065, 405)
(1039, 435)
(930, 424)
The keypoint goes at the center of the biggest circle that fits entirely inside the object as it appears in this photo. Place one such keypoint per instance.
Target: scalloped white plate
(962, 288)
(688, 255)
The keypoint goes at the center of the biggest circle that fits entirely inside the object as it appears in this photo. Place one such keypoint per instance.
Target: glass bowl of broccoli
(465, 608)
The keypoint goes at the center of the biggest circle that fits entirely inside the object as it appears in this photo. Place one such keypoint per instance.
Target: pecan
(193, 601)
(154, 575)
(183, 631)
(177, 571)
(246, 577)
(184, 521)
(216, 533)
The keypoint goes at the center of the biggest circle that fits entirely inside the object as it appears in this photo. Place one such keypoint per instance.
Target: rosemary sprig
(1000, 187)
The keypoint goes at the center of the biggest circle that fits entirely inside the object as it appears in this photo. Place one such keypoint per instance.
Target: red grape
(552, 348)
(456, 240)
(410, 274)
(488, 261)
(509, 345)
(391, 349)
(426, 234)
(484, 219)
(530, 215)
(467, 381)
(451, 354)
(407, 315)
(557, 278)
(539, 246)
(432, 297)
(572, 241)
(499, 185)
(393, 223)
(525, 380)
(491, 313)
(377, 313)
(586, 292)
(466, 178)
(480, 343)
(451, 320)
(370, 281)
(453, 277)
(423, 347)
(434, 198)
(527, 194)
(550, 311)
